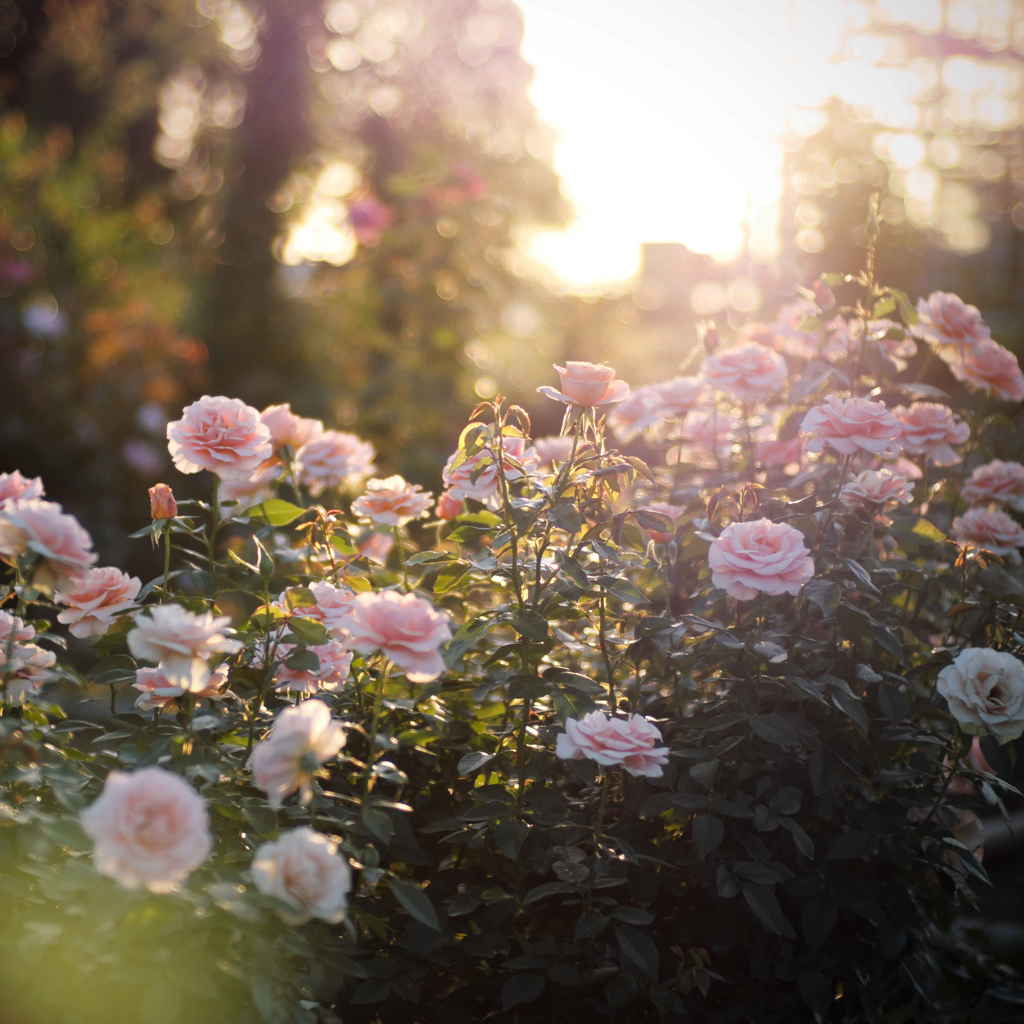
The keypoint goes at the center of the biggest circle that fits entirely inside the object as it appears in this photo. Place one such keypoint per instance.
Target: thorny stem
(602, 623)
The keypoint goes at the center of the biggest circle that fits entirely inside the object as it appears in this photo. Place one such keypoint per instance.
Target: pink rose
(150, 829)
(304, 870)
(792, 338)
(555, 449)
(301, 739)
(642, 408)
(250, 490)
(95, 599)
(930, 429)
(392, 501)
(749, 373)
(877, 487)
(992, 368)
(375, 546)
(448, 506)
(161, 502)
(609, 741)
(990, 529)
(14, 486)
(156, 691)
(333, 459)
(759, 334)
(759, 557)
(477, 476)
(945, 320)
(181, 643)
(893, 339)
(332, 603)
(407, 629)
(288, 430)
(851, 425)
(223, 435)
(41, 527)
(586, 384)
(779, 453)
(996, 481)
(24, 666)
(679, 395)
(335, 662)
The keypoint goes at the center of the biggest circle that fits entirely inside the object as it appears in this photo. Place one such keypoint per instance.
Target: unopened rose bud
(823, 295)
(710, 337)
(161, 502)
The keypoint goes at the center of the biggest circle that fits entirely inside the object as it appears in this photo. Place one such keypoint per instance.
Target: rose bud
(161, 502)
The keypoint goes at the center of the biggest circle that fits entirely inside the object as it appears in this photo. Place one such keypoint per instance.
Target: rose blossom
(14, 486)
(406, 628)
(877, 487)
(27, 524)
(642, 408)
(181, 643)
(477, 476)
(990, 529)
(392, 501)
(247, 491)
(223, 435)
(331, 605)
(779, 453)
(161, 502)
(332, 459)
(945, 320)
(24, 666)
(631, 743)
(759, 556)
(150, 828)
(448, 506)
(992, 368)
(749, 373)
(304, 870)
(335, 661)
(930, 429)
(301, 739)
(850, 425)
(893, 339)
(288, 430)
(759, 334)
(985, 692)
(996, 481)
(792, 338)
(556, 448)
(156, 691)
(95, 599)
(586, 384)
(679, 395)
(375, 546)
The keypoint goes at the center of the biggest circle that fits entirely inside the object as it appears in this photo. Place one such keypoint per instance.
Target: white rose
(985, 692)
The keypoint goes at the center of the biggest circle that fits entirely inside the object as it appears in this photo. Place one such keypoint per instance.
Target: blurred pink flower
(996, 481)
(779, 453)
(24, 666)
(448, 506)
(407, 629)
(223, 435)
(95, 599)
(632, 743)
(156, 691)
(587, 384)
(150, 829)
(376, 546)
(945, 320)
(369, 219)
(749, 373)
(877, 487)
(392, 501)
(557, 447)
(851, 425)
(477, 476)
(332, 602)
(14, 486)
(42, 527)
(335, 661)
(641, 409)
(990, 529)
(759, 557)
(287, 429)
(992, 368)
(930, 429)
(334, 459)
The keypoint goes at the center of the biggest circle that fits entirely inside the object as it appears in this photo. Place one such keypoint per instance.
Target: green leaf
(825, 594)
(638, 948)
(862, 575)
(521, 989)
(308, 631)
(303, 660)
(472, 762)
(415, 902)
(379, 824)
(277, 512)
(762, 901)
(929, 531)
(708, 833)
(450, 579)
(531, 624)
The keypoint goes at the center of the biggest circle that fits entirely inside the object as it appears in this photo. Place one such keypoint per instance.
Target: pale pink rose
(42, 527)
(407, 629)
(448, 506)
(903, 467)
(332, 603)
(985, 692)
(587, 384)
(161, 502)
(14, 486)
(679, 395)
(759, 334)
(990, 529)
(95, 599)
(477, 477)
(792, 339)
(304, 870)
(181, 643)
(556, 448)
(893, 339)
(996, 481)
(641, 409)
(931, 429)
(779, 453)
(301, 739)
(334, 459)
(156, 691)
(392, 501)
(250, 490)
(223, 435)
(671, 512)
(288, 430)
(877, 487)
(376, 546)
(632, 743)
(150, 829)
(945, 320)
(335, 662)
(24, 666)
(709, 434)
(842, 339)
(760, 557)
(851, 425)
(749, 373)
(991, 368)
(23, 633)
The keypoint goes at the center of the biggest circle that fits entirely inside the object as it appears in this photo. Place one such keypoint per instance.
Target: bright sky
(668, 116)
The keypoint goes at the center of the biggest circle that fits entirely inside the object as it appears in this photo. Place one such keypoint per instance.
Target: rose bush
(680, 738)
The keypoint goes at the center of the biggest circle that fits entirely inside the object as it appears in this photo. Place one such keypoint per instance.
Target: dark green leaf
(762, 901)
(416, 902)
(521, 989)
